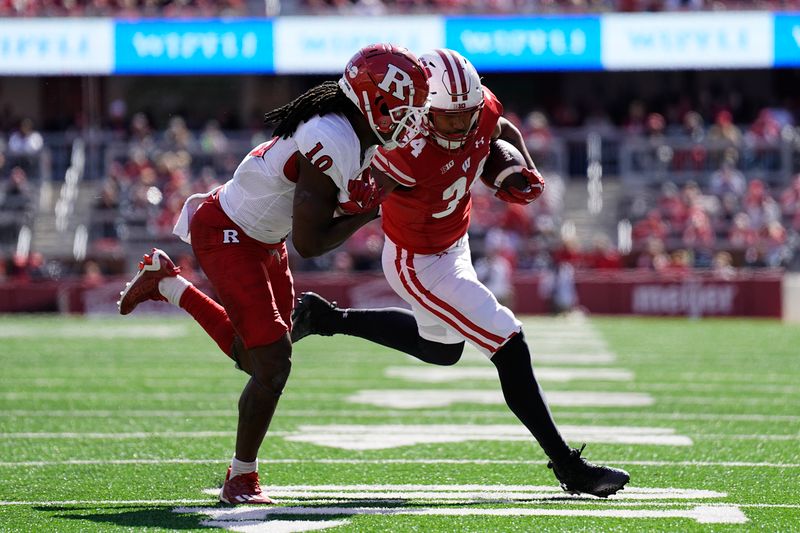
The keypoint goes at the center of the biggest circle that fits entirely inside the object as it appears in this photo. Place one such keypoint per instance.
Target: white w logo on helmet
(400, 79)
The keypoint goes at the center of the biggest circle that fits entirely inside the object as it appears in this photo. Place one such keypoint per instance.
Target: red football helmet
(388, 84)
(455, 88)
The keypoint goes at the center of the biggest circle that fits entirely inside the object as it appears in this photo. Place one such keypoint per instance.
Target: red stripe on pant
(458, 327)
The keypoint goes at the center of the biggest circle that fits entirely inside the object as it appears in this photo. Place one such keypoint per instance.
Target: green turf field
(126, 424)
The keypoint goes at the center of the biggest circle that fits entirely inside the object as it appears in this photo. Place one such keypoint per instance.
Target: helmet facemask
(397, 126)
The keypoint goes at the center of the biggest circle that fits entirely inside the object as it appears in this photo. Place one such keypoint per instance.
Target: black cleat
(578, 475)
(305, 317)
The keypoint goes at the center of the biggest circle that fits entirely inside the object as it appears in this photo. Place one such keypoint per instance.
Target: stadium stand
(707, 178)
(134, 9)
(692, 201)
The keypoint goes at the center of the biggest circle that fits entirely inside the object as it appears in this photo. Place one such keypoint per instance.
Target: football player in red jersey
(312, 178)
(426, 259)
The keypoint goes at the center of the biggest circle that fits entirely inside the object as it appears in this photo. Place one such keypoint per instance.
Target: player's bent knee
(240, 355)
(440, 353)
(272, 364)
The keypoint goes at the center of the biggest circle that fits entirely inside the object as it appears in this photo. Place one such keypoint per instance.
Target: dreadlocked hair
(325, 98)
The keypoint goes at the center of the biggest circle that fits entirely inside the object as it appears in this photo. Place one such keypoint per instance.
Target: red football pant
(252, 279)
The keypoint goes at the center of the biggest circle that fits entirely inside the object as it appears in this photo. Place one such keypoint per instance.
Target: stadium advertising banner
(324, 45)
(687, 40)
(56, 46)
(787, 40)
(194, 47)
(526, 43)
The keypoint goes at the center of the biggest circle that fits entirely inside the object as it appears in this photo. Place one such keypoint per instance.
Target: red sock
(211, 316)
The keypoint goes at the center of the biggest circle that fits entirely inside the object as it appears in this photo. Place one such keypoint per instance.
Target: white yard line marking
(702, 514)
(716, 417)
(94, 395)
(371, 413)
(266, 460)
(123, 413)
(273, 526)
(716, 399)
(106, 331)
(183, 501)
(119, 436)
(418, 374)
(473, 492)
(416, 399)
(756, 436)
(721, 387)
(379, 437)
(213, 501)
(435, 374)
(118, 462)
(732, 377)
(574, 357)
(369, 437)
(408, 435)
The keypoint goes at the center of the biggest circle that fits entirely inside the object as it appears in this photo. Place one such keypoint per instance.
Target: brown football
(504, 164)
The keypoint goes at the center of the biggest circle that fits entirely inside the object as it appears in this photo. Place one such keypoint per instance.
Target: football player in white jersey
(312, 178)
(426, 260)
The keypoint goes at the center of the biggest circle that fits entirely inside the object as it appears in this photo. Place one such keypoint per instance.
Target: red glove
(533, 191)
(365, 195)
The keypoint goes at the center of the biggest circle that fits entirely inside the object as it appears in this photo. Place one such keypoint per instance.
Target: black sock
(392, 327)
(524, 397)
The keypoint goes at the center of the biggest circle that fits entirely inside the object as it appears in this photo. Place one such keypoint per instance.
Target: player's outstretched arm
(315, 230)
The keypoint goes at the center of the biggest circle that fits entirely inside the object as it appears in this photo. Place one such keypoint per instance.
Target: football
(503, 165)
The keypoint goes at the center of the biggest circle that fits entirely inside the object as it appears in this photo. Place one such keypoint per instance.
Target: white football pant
(448, 302)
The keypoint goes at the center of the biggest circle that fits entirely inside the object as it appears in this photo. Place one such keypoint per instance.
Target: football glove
(533, 191)
(364, 195)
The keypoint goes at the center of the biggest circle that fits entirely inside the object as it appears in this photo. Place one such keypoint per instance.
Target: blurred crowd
(710, 202)
(379, 7)
(730, 218)
(127, 9)
(240, 8)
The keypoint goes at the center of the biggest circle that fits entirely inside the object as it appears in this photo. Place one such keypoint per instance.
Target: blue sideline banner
(56, 46)
(529, 43)
(323, 45)
(787, 40)
(687, 40)
(241, 46)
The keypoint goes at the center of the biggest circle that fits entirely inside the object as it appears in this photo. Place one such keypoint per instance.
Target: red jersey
(431, 211)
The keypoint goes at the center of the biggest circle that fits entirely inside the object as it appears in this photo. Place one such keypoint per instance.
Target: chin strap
(532, 191)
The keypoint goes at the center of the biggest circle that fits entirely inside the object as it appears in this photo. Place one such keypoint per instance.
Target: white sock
(240, 467)
(172, 288)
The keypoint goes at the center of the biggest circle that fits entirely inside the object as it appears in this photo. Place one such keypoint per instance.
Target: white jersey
(260, 195)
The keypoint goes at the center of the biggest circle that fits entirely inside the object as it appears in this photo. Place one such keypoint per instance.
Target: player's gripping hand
(533, 190)
(364, 195)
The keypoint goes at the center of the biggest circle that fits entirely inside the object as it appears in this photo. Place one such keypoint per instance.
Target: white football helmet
(455, 87)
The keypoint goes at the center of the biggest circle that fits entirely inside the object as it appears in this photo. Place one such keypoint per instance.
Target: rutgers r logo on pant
(229, 236)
